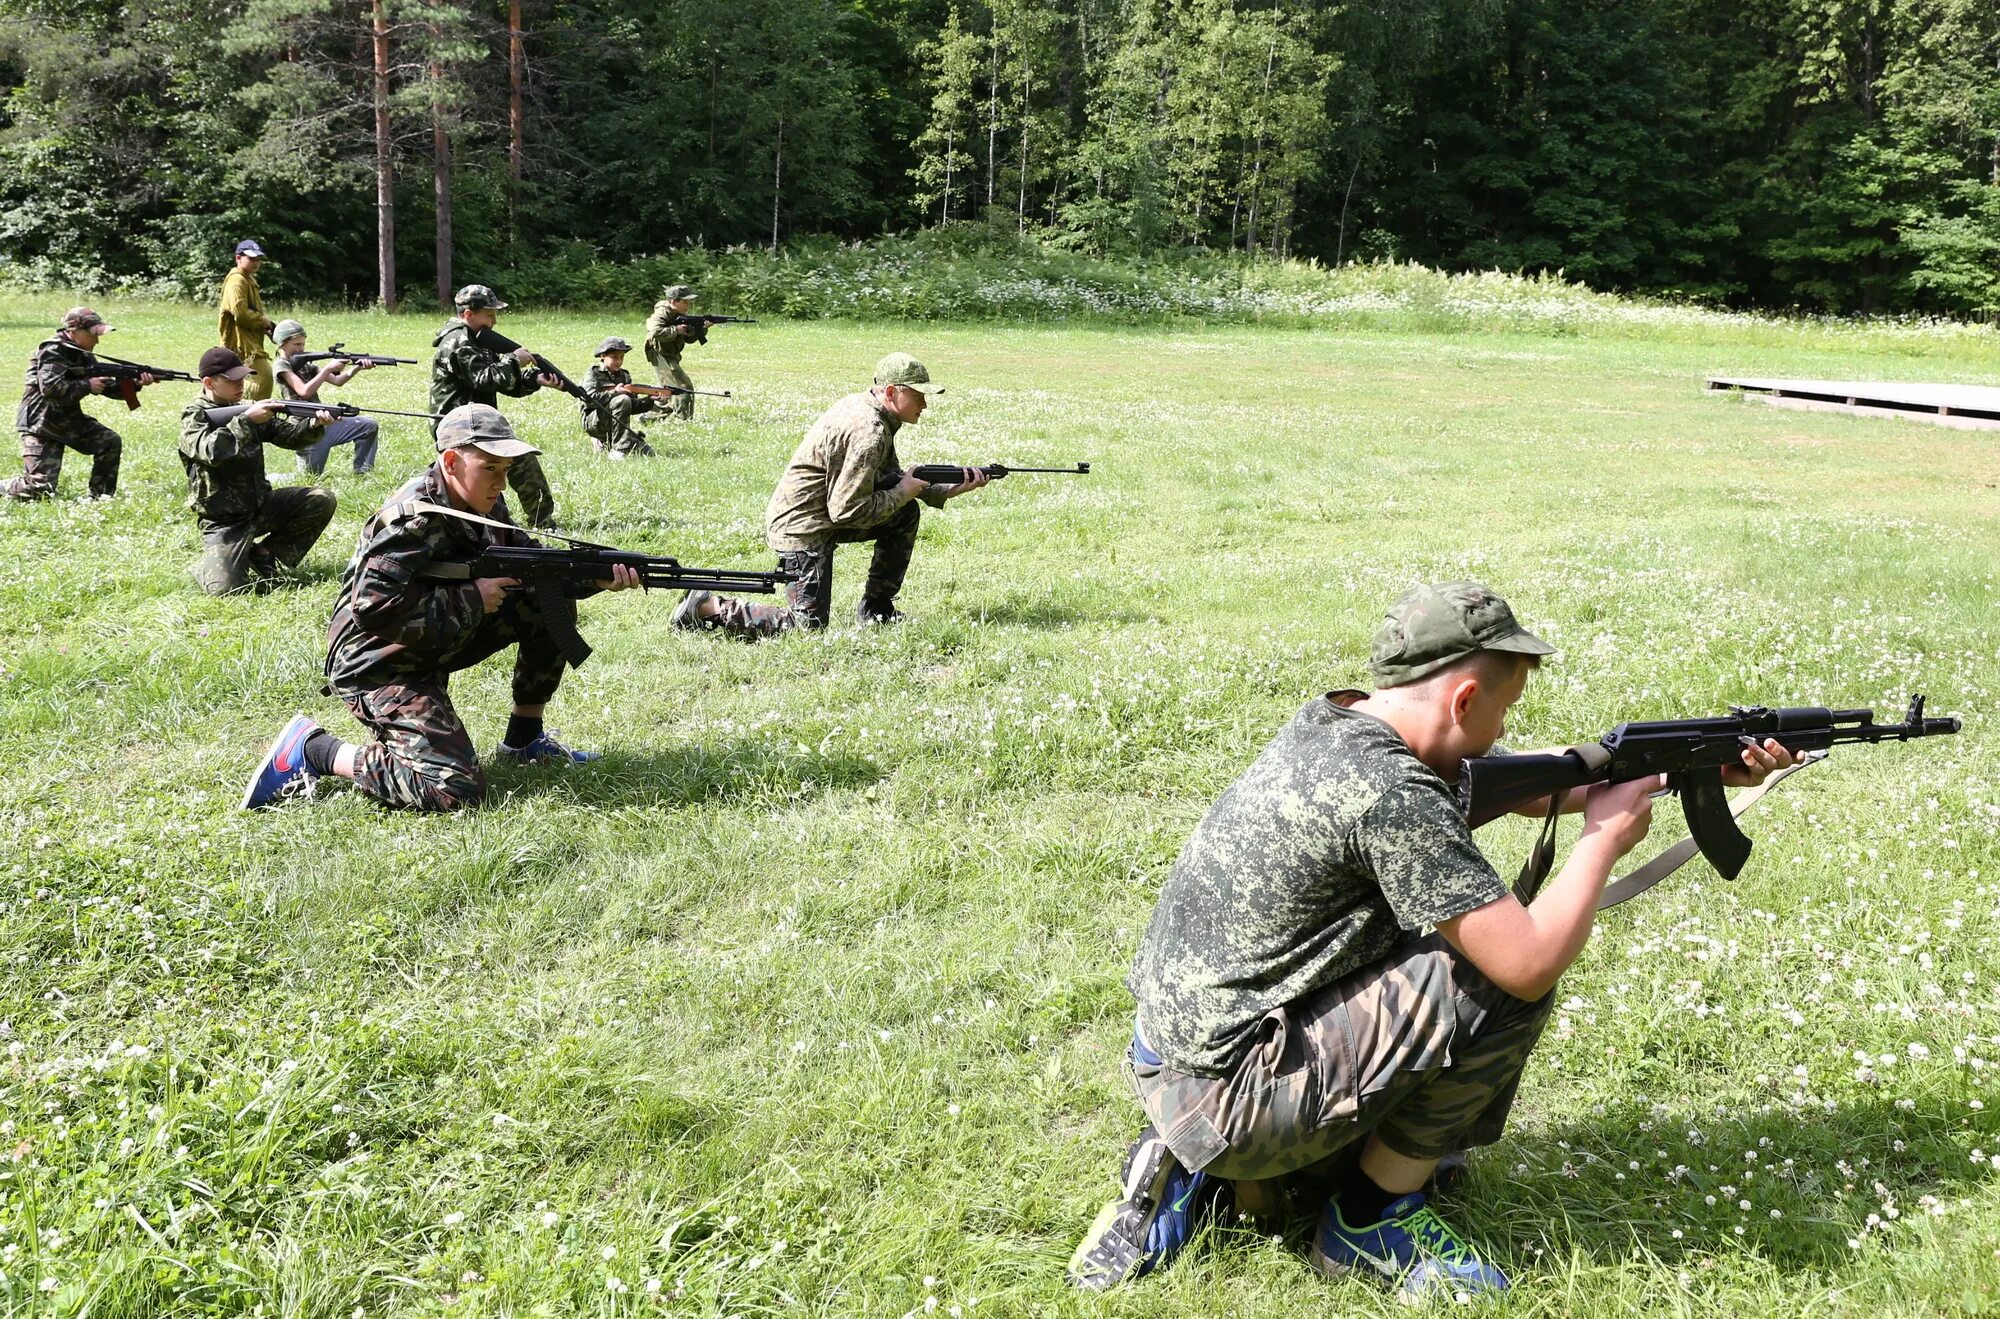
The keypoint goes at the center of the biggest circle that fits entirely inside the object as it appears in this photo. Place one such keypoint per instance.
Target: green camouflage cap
(676, 292)
(477, 297)
(284, 330)
(613, 344)
(903, 369)
(85, 318)
(1432, 626)
(482, 428)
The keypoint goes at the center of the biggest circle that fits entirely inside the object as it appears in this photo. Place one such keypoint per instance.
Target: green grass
(809, 997)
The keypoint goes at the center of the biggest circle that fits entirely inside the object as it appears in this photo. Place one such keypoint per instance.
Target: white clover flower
(454, 1218)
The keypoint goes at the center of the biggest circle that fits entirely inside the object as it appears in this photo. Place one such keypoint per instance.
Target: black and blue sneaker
(1160, 1206)
(546, 749)
(1411, 1249)
(283, 773)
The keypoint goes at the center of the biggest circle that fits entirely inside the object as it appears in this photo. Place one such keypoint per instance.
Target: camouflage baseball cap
(477, 297)
(903, 369)
(1432, 626)
(85, 318)
(676, 292)
(284, 330)
(612, 344)
(482, 428)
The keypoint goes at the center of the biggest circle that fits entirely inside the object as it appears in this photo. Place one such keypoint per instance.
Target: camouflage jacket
(462, 372)
(225, 464)
(664, 338)
(1316, 862)
(389, 618)
(52, 402)
(240, 322)
(597, 386)
(835, 480)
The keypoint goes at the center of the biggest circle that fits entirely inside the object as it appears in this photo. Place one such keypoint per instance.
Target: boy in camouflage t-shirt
(1331, 955)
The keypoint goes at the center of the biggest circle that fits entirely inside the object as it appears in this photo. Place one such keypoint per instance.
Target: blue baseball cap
(248, 247)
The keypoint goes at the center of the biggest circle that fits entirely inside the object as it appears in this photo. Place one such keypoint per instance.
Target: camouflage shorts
(1421, 1049)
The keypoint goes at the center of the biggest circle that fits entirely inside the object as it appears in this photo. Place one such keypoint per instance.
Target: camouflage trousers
(42, 460)
(538, 502)
(422, 758)
(810, 598)
(1420, 1049)
(236, 555)
(670, 373)
(611, 426)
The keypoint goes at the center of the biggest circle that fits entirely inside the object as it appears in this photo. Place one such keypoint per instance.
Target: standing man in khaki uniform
(666, 337)
(240, 324)
(844, 484)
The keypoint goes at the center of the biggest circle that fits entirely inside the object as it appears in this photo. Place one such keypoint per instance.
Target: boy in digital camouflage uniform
(51, 416)
(409, 616)
(608, 410)
(249, 532)
(1333, 961)
(666, 340)
(463, 372)
(843, 485)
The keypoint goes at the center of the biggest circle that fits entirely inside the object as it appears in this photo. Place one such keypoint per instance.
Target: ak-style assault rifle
(1692, 753)
(299, 407)
(557, 578)
(126, 374)
(699, 323)
(494, 341)
(338, 352)
(668, 391)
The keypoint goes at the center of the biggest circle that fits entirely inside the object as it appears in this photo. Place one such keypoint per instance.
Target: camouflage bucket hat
(612, 345)
(284, 330)
(903, 369)
(477, 297)
(482, 428)
(677, 292)
(1432, 626)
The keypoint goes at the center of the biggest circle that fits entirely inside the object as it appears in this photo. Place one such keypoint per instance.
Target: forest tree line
(1828, 154)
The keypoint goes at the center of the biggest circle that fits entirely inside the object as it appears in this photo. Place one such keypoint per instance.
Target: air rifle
(338, 352)
(557, 578)
(497, 342)
(667, 391)
(299, 407)
(1692, 753)
(127, 375)
(943, 473)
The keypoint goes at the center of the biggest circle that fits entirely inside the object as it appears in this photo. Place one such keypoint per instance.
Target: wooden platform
(1965, 407)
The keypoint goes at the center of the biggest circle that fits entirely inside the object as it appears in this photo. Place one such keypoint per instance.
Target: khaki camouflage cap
(612, 345)
(903, 369)
(84, 318)
(1432, 626)
(477, 297)
(284, 330)
(481, 428)
(677, 293)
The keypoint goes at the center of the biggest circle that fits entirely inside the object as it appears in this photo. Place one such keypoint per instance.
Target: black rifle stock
(338, 352)
(500, 343)
(1692, 753)
(299, 407)
(126, 374)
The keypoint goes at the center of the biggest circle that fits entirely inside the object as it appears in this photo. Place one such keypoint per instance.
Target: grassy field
(808, 998)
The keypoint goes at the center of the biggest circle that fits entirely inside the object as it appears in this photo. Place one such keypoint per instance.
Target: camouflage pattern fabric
(1420, 1049)
(51, 418)
(397, 635)
(42, 461)
(225, 464)
(665, 342)
(240, 325)
(811, 596)
(607, 416)
(838, 479)
(462, 372)
(1334, 845)
(248, 554)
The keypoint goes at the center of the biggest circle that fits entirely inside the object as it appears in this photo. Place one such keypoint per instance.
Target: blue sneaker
(1411, 1249)
(1147, 1226)
(546, 749)
(283, 772)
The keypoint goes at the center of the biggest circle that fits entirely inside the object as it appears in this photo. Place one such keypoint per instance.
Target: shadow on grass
(684, 776)
(1044, 613)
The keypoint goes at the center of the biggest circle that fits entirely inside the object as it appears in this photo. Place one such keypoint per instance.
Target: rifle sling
(558, 611)
(1631, 885)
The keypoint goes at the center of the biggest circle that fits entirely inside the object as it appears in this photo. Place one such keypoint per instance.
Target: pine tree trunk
(1021, 198)
(944, 216)
(516, 119)
(385, 171)
(441, 187)
(777, 184)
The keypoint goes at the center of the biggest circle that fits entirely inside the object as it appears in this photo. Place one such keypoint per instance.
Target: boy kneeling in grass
(610, 404)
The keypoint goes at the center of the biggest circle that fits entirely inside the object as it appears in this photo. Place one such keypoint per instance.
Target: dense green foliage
(807, 999)
(1828, 154)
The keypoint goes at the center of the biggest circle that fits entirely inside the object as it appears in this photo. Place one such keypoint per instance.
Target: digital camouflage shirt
(1335, 842)
(389, 618)
(834, 480)
(665, 339)
(462, 372)
(51, 401)
(225, 464)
